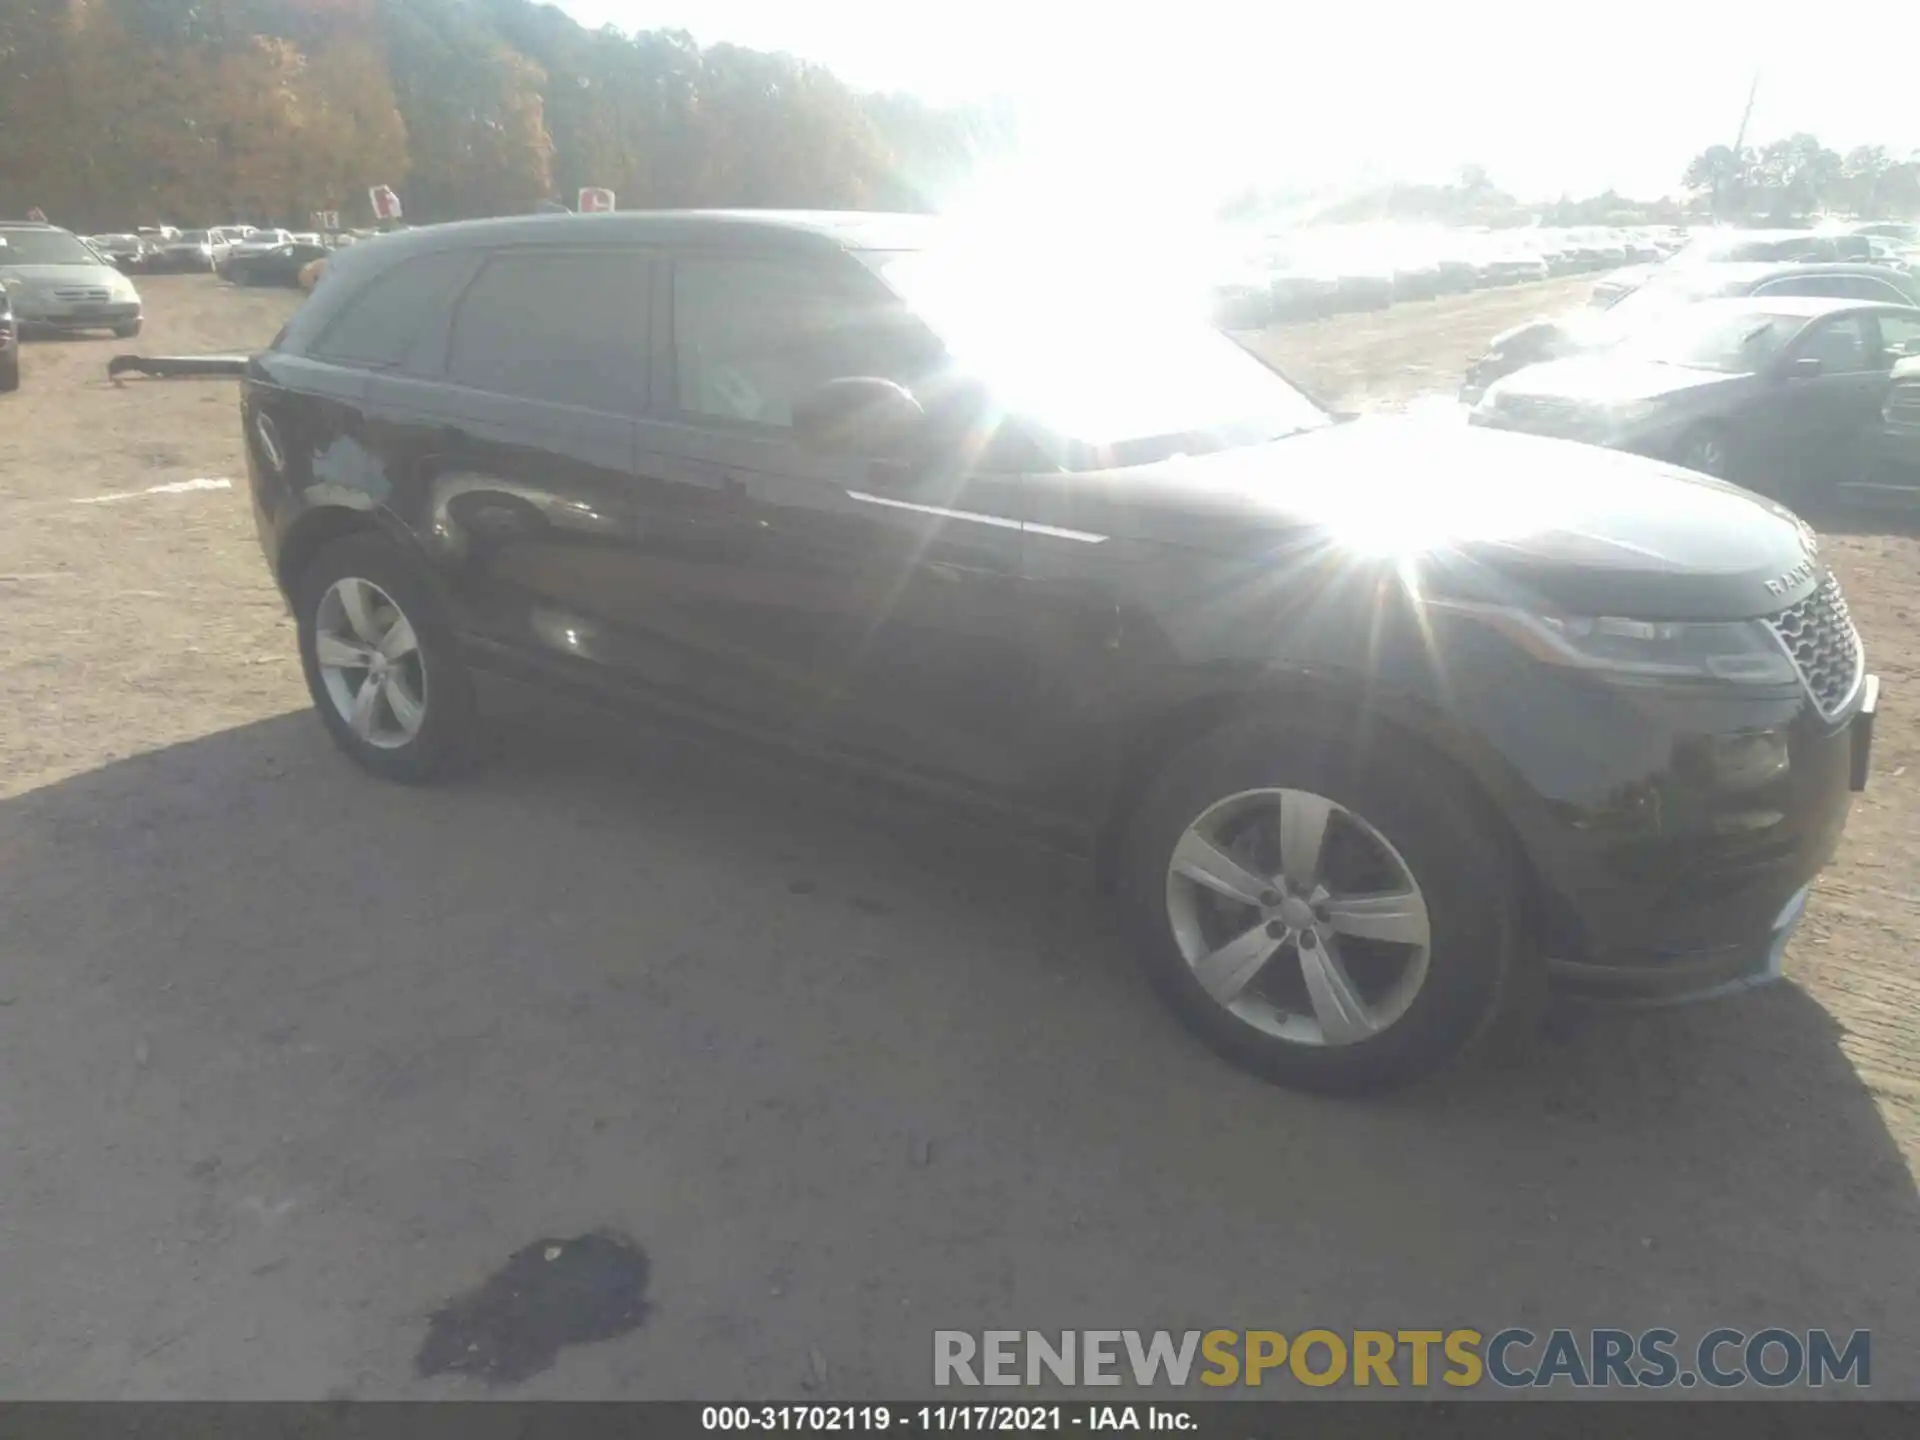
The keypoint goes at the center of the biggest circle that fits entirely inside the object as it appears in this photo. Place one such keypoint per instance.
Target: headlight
(1739, 652)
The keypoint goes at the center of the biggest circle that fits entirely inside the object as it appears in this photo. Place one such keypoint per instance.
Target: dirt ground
(289, 1058)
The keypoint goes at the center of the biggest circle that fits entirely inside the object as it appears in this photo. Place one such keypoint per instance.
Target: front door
(520, 460)
(846, 605)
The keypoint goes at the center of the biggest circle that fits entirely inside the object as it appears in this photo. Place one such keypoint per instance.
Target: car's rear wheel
(381, 661)
(1329, 916)
(9, 374)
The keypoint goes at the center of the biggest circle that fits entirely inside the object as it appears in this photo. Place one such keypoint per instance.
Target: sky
(1212, 95)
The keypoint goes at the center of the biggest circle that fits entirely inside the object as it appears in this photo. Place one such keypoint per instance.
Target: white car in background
(222, 238)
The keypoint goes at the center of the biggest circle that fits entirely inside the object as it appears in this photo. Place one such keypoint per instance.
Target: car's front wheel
(127, 331)
(9, 374)
(381, 661)
(1331, 916)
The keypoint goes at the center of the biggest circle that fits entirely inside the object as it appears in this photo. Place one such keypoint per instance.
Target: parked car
(190, 250)
(280, 265)
(1586, 331)
(127, 253)
(1720, 247)
(1512, 265)
(883, 500)
(9, 345)
(1783, 394)
(1906, 232)
(1301, 292)
(58, 283)
(221, 240)
(257, 242)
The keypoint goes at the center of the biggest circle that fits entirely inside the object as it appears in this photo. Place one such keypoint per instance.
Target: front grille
(80, 292)
(1819, 635)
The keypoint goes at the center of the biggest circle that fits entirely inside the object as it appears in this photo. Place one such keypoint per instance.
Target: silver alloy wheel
(1266, 916)
(370, 663)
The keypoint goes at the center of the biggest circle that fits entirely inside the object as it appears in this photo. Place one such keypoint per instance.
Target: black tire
(1477, 977)
(9, 375)
(443, 743)
(128, 330)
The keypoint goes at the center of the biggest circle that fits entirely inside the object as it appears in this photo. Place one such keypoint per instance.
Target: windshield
(191, 237)
(1653, 301)
(1119, 386)
(43, 247)
(1737, 343)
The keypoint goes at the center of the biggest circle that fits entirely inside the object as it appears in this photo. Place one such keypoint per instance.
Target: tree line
(1796, 177)
(121, 112)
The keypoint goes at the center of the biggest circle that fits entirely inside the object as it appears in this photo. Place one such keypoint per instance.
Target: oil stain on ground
(549, 1294)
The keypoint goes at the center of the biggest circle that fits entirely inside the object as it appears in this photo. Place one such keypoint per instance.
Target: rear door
(522, 457)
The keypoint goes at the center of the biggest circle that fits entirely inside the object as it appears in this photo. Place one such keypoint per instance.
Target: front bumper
(89, 315)
(1708, 909)
(1669, 834)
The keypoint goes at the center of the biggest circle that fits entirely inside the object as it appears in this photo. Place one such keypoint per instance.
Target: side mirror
(1802, 367)
(860, 415)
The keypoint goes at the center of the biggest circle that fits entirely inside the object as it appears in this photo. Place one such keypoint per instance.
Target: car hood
(1476, 513)
(1602, 380)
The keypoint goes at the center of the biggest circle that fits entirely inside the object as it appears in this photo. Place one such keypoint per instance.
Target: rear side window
(1865, 287)
(398, 320)
(563, 326)
(1803, 285)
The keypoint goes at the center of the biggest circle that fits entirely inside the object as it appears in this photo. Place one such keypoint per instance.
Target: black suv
(1366, 725)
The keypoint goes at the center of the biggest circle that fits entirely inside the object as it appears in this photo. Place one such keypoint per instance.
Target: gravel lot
(289, 1058)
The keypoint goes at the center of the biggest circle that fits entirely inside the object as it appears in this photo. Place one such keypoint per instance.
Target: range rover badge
(1794, 578)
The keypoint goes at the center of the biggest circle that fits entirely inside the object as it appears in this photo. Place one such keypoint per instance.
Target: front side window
(1108, 383)
(566, 326)
(751, 336)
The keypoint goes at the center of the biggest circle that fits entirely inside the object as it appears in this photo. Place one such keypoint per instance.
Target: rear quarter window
(398, 320)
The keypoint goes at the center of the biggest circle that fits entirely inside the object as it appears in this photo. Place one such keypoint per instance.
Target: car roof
(808, 229)
(1807, 305)
(1758, 270)
(815, 232)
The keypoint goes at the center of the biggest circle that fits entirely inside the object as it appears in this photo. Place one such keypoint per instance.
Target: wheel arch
(1150, 740)
(321, 525)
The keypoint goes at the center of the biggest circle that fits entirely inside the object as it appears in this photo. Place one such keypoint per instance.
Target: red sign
(594, 200)
(386, 204)
(39, 216)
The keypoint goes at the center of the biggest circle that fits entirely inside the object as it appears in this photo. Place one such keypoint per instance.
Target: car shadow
(290, 1056)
